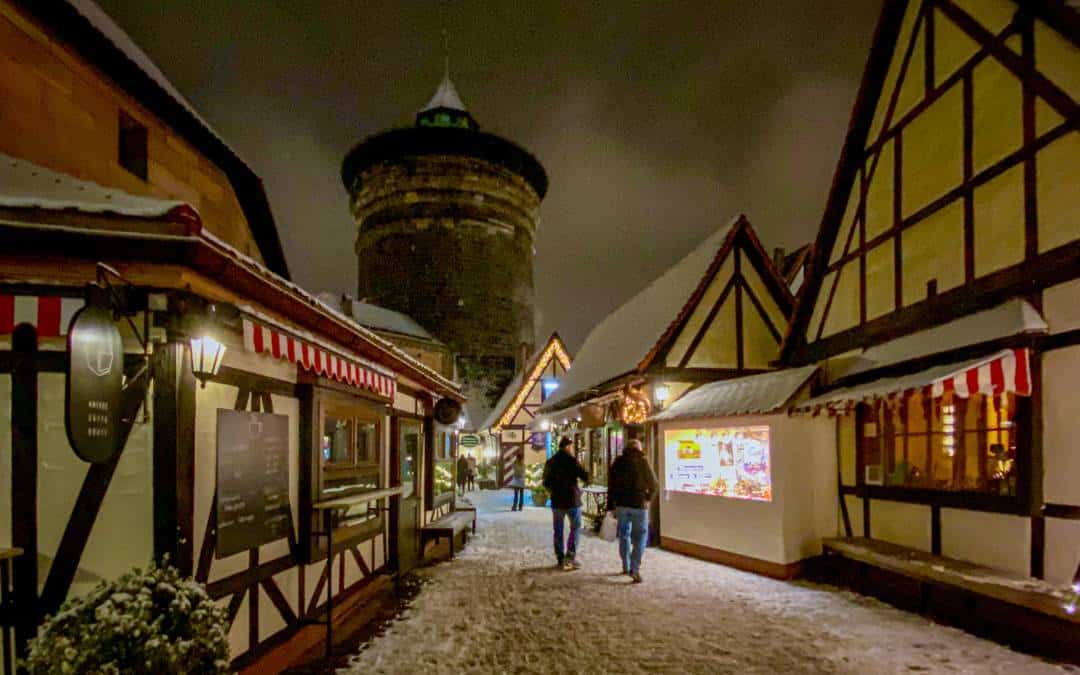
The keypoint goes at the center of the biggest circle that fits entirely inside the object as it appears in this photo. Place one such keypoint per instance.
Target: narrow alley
(501, 606)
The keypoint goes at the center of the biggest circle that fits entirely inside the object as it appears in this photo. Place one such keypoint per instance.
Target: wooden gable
(550, 362)
(956, 187)
(736, 317)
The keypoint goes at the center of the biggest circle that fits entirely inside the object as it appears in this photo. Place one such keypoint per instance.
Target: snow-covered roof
(446, 96)
(504, 401)
(378, 318)
(1013, 317)
(27, 185)
(619, 342)
(755, 394)
(122, 41)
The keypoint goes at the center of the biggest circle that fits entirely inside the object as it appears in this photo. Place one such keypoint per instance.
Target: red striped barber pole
(262, 339)
(1003, 372)
(49, 314)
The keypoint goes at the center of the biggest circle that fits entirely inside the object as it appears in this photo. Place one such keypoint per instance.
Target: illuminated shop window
(947, 443)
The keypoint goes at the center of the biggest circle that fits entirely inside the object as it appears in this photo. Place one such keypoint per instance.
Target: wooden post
(24, 465)
(174, 458)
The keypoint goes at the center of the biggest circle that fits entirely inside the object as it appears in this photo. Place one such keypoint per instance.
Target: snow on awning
(25, 185)
(262, 339)
(1004, 372)
(756, 394)
(1012, 317)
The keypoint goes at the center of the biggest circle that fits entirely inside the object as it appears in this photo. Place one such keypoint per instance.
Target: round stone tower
(446, 216)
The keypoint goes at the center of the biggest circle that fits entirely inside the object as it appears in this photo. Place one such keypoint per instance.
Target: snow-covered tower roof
(445, 109)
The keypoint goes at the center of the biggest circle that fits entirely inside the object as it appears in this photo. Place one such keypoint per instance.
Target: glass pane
(367, 436)
(337, 434)
(410, 444)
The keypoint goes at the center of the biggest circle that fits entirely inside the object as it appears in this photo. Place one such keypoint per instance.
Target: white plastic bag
(609, 528)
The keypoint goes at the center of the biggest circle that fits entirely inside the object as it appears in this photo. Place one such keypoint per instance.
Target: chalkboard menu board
(252, 480)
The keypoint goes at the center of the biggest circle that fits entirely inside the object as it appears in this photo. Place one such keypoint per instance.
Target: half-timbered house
(508, 424)
(718, 313)
(257, 428)
(943, 291)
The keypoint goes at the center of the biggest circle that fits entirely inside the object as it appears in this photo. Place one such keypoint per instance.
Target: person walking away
(561, 474)
(470, 476)
(462, 473)
(517, 482)
(631, 486)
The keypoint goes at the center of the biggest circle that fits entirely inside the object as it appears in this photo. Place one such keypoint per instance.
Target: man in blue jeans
(561, 474)
(631, 485)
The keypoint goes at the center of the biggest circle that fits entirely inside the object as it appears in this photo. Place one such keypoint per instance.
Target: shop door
(410, 443)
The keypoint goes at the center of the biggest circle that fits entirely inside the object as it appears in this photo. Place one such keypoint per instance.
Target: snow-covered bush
(147, 621)
(534, 475)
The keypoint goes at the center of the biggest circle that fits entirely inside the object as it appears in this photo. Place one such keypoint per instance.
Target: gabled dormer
(736, 316)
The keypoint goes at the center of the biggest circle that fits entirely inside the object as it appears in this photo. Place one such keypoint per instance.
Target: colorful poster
(726, 462)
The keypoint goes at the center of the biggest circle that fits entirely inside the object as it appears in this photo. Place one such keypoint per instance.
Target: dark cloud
(657, 122)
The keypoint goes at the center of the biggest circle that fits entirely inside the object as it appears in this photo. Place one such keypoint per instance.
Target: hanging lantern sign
(95, 384)
(447, 411)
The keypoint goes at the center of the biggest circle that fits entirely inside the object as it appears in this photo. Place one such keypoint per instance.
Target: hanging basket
(592, 416)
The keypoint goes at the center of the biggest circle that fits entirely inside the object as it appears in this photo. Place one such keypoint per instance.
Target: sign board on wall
(95, 384)
(252, 480)
(725, 462)
(469, 440)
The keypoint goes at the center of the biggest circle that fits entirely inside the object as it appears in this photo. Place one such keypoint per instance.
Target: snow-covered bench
(450, 526)
(1021, 611)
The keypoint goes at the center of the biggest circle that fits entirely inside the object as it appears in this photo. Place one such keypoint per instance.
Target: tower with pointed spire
(446, 215)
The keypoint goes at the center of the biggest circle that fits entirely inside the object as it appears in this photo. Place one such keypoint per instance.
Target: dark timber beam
(174, 457)
(24, 463)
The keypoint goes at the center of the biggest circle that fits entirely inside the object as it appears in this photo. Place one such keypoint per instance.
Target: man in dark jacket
(561, 474)
(631, 485)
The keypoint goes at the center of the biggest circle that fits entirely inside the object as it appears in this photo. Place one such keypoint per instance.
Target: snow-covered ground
(501, 607)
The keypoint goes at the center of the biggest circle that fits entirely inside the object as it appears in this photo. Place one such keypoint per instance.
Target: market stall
(743, 482)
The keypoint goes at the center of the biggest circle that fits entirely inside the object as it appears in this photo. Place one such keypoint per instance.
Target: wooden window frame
(315, 401)
(952, 498)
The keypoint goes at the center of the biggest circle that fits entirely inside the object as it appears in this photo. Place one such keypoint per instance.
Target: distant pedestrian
(462, 473)
(631, 486)
(561, 474)
(470, 475)
(517, 482)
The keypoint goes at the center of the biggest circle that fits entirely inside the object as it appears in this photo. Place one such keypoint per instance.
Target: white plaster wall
(995, 540)
(1061, 306)
(1061, 433)
(788, 528)
(127, 506)
(207, 402)
(900, 523)
(1062, 550)
(855, 515)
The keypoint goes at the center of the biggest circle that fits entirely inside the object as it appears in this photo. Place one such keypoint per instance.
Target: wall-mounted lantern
(206, 356)
(661, 392)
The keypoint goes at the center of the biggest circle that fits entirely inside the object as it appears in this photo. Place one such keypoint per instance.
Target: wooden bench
(450, 525)
(1023, 612)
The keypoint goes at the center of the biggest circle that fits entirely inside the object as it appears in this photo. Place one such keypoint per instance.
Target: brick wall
(449, 241)
(62, 113)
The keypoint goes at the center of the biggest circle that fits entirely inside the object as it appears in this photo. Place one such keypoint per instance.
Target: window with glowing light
(947, 443)
(719, 461)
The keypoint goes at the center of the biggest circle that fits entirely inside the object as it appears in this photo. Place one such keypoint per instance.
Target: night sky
(657, 122)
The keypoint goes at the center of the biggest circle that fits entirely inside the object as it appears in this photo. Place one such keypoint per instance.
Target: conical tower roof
(446, 96)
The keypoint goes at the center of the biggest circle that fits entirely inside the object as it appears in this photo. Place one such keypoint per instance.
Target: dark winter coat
(561, 474)
(631, 482)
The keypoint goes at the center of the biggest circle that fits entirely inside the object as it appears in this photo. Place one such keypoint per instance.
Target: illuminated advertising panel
(725, 462)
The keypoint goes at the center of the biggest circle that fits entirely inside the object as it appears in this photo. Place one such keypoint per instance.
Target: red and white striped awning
(1006, 371)
(49, 314)
(262, 339)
